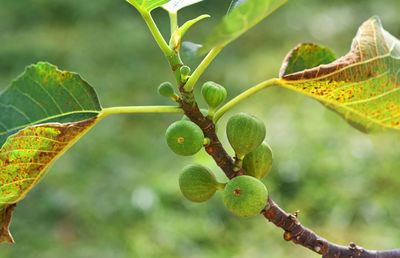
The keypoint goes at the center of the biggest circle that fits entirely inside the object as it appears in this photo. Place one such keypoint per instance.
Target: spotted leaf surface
(44, 94)
(42, 113)
(26, 156)
(362, 86)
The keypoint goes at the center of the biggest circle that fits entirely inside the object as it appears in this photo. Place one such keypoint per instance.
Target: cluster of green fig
(244, 195)
(185, 137)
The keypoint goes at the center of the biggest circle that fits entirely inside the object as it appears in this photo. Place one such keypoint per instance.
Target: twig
(294, 231)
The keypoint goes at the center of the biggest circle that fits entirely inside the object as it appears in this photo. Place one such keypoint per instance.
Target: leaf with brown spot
(25, 158)
(362, 86)
(306, 56)
(44, 94)
(42, 113)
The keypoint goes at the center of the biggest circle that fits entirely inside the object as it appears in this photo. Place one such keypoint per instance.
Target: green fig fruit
(197, 183)
(213, 93)
(166, 90)
(258, 162)
(245, 133)
(245, 196)
(184, 137)
(185, 71)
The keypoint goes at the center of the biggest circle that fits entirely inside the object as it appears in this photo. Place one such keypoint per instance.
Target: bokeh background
(115, 193)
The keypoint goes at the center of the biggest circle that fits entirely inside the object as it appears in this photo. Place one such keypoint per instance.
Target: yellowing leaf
(362, 86)
(42, 113)
(44, 94)
(26, 156)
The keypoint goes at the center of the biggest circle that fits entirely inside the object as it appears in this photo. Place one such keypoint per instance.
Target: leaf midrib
(49, 118)
(339, 70)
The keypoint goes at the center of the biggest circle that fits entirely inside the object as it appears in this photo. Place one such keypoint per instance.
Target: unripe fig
(185, 71)
(245, 133)
(166, 90)
(245, 196)
(197, 183)
(184, 137)
(213, 93)
(258, 162)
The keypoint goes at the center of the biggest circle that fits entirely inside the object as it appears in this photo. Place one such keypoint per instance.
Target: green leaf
(190, 23)
(174, 6)
(363, 86)
(175, 40)
(147, 5)
(238, 21)
(189, 50)
(306, 56)
(235, 3)
(43, 94)
(25, 159)
(42, 113)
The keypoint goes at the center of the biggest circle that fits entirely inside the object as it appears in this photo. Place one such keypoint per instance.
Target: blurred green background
(115, 193)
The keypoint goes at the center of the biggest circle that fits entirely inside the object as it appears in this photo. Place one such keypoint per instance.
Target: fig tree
(184, 137)
(197, 183)
(245, 196)
(258, 162)
(245, 133)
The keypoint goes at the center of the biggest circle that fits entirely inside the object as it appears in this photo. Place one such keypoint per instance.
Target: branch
(215, 148)
(301, 235)
(294, 231)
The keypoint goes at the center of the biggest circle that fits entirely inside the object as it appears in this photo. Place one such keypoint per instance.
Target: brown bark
(294, 231)
(301, 235)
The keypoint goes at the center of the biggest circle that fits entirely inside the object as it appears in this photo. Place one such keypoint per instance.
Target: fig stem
(244, 95)
(220, 186)
(211, 112)
(176, 98)
(188, 87)
(139, 109)
(156, 34)
(238, 162)
(173, 18)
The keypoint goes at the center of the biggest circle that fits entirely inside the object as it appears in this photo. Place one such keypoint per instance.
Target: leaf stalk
(201, 68)
(139, 109)
(244, 95)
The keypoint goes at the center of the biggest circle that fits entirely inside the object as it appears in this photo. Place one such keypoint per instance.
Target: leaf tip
(376, 19)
